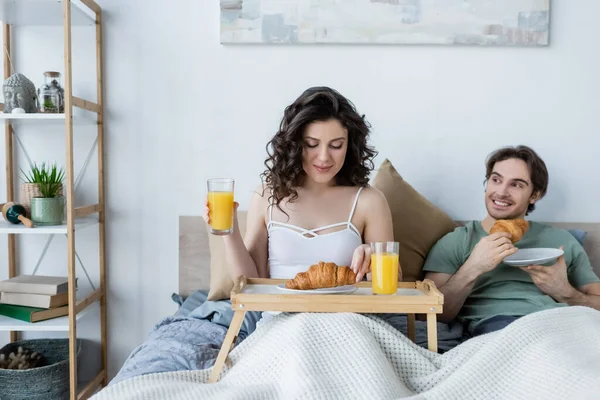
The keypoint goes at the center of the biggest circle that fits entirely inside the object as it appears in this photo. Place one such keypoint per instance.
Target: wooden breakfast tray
(257, 294)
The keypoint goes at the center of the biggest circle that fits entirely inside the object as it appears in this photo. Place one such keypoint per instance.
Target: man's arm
(576, 285)
(455, 288)
(486, 255)
(587, 295)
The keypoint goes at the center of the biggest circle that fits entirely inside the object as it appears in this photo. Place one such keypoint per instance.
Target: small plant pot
(31, 190)
(48, 210)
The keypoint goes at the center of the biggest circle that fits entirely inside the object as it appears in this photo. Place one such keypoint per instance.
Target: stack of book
(34, 298)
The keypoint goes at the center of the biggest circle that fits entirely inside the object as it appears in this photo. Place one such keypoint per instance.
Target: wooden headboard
(194, 253)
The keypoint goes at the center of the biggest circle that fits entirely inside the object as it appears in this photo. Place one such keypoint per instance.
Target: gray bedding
(191, 338)
(188, 340)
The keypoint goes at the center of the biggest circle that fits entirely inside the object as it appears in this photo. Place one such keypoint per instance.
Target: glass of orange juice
(220, 205)
(384, 267)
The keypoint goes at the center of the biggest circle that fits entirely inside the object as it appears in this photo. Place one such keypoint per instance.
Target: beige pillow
(220, 281)
(418, 223)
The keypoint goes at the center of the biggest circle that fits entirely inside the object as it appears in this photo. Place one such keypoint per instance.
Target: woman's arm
(248, 257)
(378, 227)
(378, 221)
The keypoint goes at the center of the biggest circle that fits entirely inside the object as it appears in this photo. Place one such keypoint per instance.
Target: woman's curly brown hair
(284, 171)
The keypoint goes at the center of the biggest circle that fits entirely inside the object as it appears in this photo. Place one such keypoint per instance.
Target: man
(466, 265)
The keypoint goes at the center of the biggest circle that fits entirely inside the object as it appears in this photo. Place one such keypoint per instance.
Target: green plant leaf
(48, 178)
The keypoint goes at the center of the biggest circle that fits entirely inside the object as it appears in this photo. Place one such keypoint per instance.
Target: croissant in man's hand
(516, 227)
(322, 275)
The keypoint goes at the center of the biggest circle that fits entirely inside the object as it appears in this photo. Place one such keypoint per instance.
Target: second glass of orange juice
(384, 267)
(220, 205)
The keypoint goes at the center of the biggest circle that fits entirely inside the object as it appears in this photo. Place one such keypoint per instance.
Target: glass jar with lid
(51, 95)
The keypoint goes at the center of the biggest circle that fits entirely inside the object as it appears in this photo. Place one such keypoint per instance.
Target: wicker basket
(30, 190)
(43, 383)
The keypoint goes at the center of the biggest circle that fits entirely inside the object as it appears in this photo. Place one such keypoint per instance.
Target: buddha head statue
(19, 92)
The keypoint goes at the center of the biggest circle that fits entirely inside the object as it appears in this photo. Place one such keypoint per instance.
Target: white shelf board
(44, 13)
(32, 116)
(6, 227)
(80, 118)
(60, 324)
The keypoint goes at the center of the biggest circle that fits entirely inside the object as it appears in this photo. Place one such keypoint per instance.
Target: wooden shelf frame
(88, 390)
(99, 295)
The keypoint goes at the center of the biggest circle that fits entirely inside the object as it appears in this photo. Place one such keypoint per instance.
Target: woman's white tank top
(292, 251)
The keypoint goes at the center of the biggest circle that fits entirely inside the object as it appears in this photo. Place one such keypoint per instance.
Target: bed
(175, 359)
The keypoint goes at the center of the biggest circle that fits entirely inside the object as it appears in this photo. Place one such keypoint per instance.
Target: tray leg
(432, 332)
(227, 346)
(411, 328)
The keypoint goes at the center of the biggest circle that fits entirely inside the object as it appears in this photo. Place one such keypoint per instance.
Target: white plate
(334, 290)
(524, 257)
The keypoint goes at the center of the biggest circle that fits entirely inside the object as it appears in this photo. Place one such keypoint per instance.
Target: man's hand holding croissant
(489, 252)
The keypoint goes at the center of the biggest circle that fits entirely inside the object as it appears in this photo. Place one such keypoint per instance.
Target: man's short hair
(537, 168)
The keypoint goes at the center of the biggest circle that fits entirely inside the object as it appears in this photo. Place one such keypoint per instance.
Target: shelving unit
(65, 13)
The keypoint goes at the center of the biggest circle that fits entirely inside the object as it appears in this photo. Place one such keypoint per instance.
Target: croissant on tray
(516, 227)
(322, 275)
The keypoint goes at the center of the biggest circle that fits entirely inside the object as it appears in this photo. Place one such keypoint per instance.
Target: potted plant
(47, 207)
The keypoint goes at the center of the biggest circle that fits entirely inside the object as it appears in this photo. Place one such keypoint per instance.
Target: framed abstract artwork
(438, 22)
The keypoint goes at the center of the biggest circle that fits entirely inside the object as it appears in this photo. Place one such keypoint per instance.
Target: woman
(316, 204)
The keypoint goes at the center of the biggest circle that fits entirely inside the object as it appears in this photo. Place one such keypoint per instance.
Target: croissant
(516, 227)
(322, 275)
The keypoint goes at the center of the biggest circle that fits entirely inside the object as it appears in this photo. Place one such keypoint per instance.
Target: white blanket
(553, 354)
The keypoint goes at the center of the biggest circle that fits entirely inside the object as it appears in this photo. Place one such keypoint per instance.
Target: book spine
(17, 312)
(33, 300)
(19, 287)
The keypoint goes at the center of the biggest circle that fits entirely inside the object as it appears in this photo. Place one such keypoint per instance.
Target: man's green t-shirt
(507, 290)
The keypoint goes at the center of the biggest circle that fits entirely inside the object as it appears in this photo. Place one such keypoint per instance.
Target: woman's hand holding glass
(206, 213)
(220, 206)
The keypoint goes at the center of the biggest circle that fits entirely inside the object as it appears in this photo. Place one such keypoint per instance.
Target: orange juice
(384, 273)
(220, 205)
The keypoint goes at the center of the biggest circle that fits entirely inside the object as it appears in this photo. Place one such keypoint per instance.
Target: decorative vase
(48, 210)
